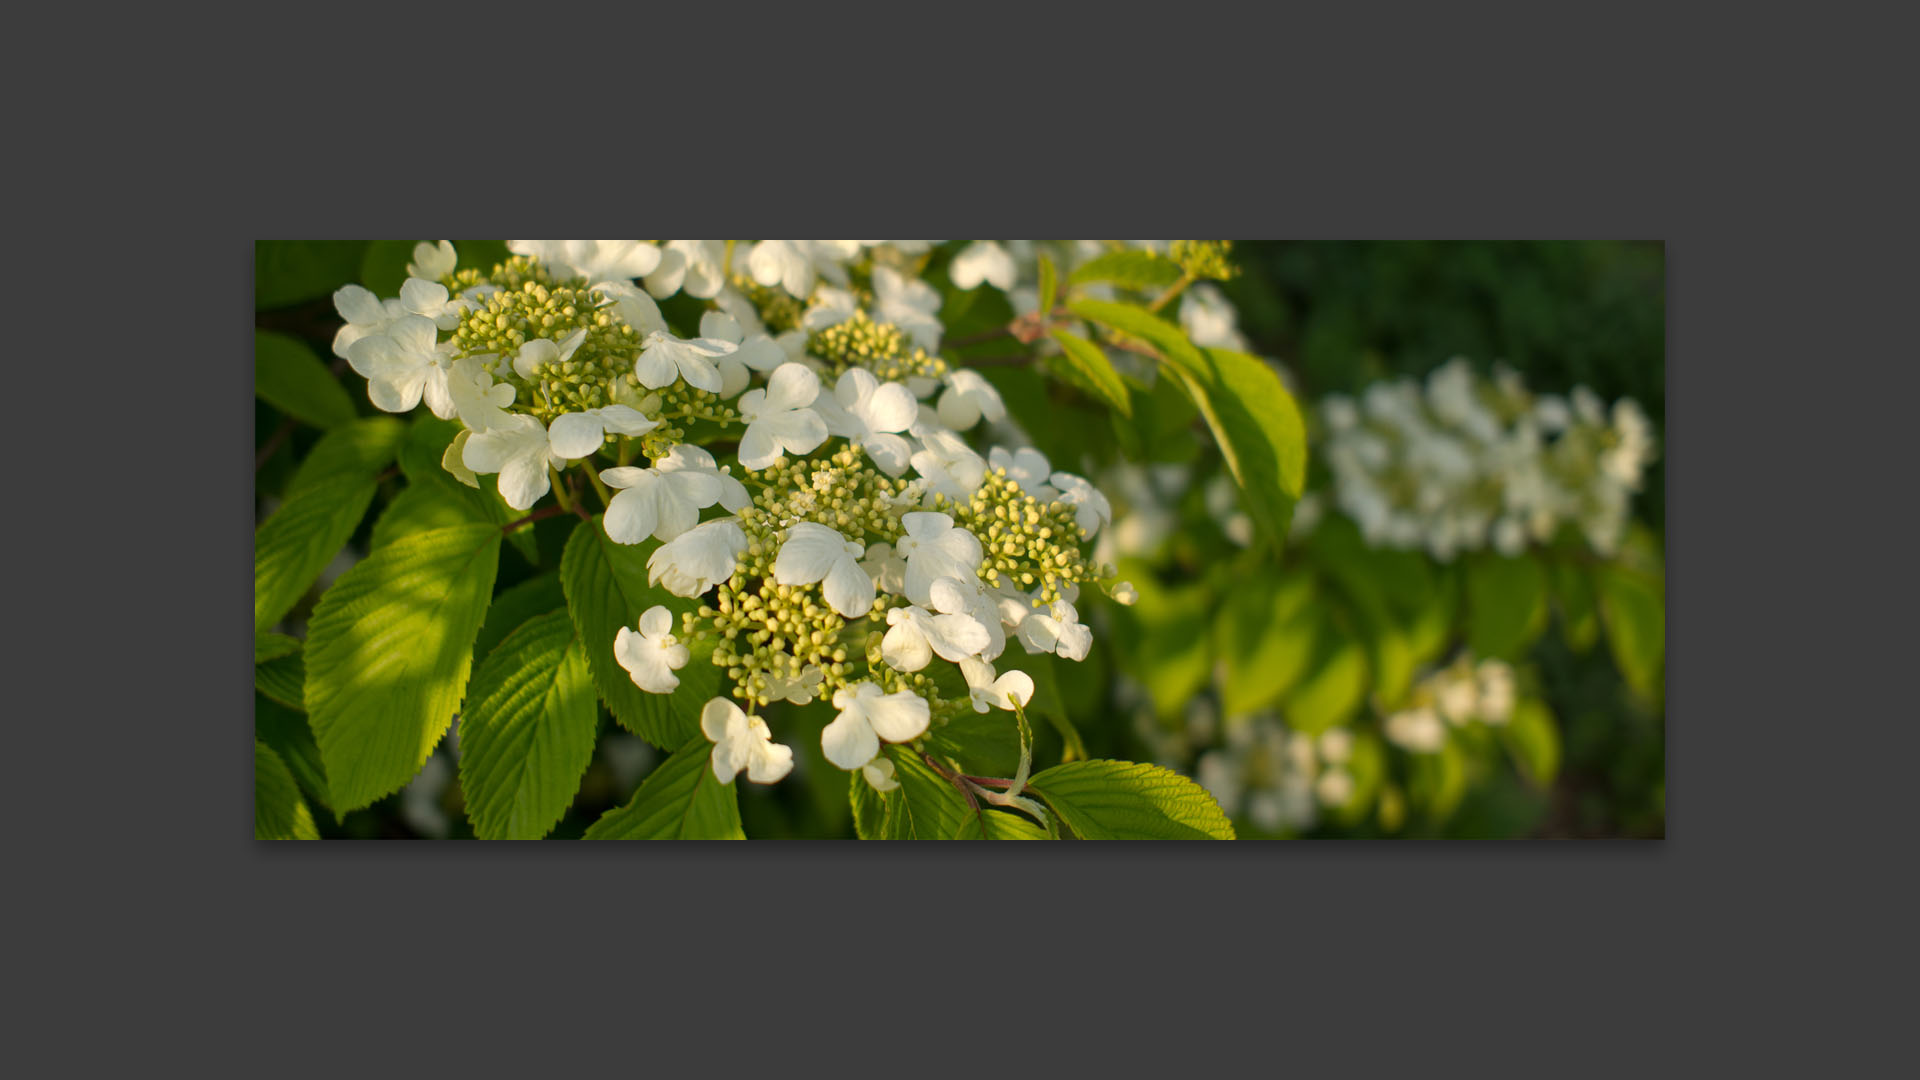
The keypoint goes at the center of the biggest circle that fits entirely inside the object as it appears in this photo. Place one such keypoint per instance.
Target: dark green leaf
(1635, 616)
(1506, 604)
(534, 596)
(287, 272)
(289, 377)
(361, 449)
(679, 800)
(1534, 740)
(527, 732)
(300, 539)
(286, 731)
(278, 811)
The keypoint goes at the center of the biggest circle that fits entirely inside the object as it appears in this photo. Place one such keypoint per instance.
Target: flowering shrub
(797, 514)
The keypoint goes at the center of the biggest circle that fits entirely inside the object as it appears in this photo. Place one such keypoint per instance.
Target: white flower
(453, 462)
(365, 315)
(664, 358)
(869, 413)
(1334, 787)
(1091, 509)
(698, 559)
(868, 716)
(430, 300)
(888, 570)
(1056, 630)
(1125, 594)
(813, 552)
(1028, 468)
(477, 399)
(968, 398)
(879, 774)
(829, 307)
(1457, 699)
(690, 266)
(949, 465)
(595, 260)
(987, 692)
(909, 303)
(760, 352)
(653, 655)
(957, 596)
(982, 260)
(518, 450)
(778, 419)
(934, 547)
(403, 365)
(916, 634)
(663, 501)
(1496, 691)
(433, 262)
(1209, 319)
(799, 690)
(535, 354)
(692, 459)
(1419, 730)
(743, 742)
(794, 264)
(578, 434)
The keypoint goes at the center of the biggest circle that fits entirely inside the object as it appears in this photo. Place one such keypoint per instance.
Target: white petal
(657, 621)
(576, 435)
(633, 515)
(791, 386)
(810, 552)
(898, 717)
(905, 647)
(523, 480)
(769, 762)
(891, 408)
(848, 588)
(849, 741)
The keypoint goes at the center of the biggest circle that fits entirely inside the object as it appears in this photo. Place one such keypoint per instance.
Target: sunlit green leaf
(527, 732)
(680, 800)
(1126, 800)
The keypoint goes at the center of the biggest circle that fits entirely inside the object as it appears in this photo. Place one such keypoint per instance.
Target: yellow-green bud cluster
(512, 274)
(764, 629)
(675, 406)
(842, 491)
(881, 348)
(1205, 259)
(502, 322)
(1025, 543)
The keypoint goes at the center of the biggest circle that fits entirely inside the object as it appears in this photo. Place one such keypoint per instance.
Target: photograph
(1252, 539)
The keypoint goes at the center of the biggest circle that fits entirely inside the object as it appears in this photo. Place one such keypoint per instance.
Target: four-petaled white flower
(536, 353)
(916, 634)
(888, 570)
(868, 716)
(968, 398)
(686, 457)
(430, 300)
(982, 260)
(743, 742)
(519, 451)
(1091, 509)
(662, 501)
(653, 655)
(949, 465)
(778, 419)
(756, 352)
(579, 434)
(403, 365)
(970, 596)
(433, 261)
(799, 690)
(869, 413)
(934, 547)
(1057, 630)
(690, 266)
(987, 692)
(664, 358)
(595, 260)
(698, 559)
(1027, 467)
(814, 552)
(909, 303)
(479, 401)
(365, 315)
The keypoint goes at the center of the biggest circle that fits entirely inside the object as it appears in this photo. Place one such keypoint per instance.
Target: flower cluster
(1275, 777)
(1458, 694)
(860, 538)
(1463, 462)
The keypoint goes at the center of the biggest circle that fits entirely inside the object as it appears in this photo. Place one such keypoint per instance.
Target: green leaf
(1126, 800)
(361, 449)
(999, 825)
(983, 744)
(1252, 416)
(924, 807)
(1087, 364)
(1579, 612)
(1634, 612)
(286, 272)
(680, 800)
(527, 732)
(1335, 684)
(285, 730)
(1049, 286)
(606, 588)
(534, 596)
(271, 646)
(283, 678)
(383, 269)
(1141, 270)
(1264, 636)
(421, 454)
(388, 652)
(1506, 604)
(278, 811)
(289, 377)
(1049, 704)
(291, 547)
(1534, 741)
